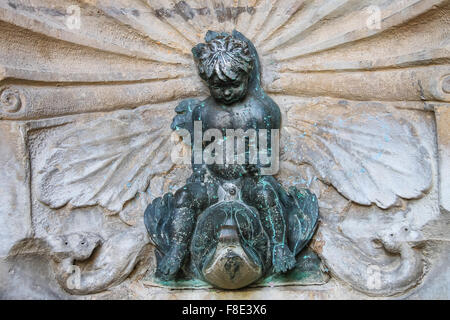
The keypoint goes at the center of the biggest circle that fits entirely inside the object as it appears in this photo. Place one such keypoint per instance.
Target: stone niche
(87, 94)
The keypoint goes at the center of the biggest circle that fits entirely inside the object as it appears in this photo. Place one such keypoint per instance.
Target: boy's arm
(184, 119)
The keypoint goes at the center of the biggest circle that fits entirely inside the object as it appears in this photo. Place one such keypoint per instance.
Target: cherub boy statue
(230, 66)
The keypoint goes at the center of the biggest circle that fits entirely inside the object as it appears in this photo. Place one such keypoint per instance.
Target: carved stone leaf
(364, 151)
(104, 161)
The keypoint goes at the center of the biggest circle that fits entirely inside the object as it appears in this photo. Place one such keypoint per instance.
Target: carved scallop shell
(109, 55)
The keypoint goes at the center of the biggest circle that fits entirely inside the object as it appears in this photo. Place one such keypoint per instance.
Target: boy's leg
(273, 220)
(188, 201)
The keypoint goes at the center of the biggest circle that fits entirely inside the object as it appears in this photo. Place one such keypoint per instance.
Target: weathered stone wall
(87, 95)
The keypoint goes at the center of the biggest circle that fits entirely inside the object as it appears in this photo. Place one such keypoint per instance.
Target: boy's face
(229, 91)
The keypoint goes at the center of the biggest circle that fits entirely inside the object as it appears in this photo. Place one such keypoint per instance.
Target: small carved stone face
(230, 91)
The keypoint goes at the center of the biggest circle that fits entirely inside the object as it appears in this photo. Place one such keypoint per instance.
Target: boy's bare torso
(250, 113)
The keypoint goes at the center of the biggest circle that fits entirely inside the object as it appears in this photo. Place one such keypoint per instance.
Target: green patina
(307, 271)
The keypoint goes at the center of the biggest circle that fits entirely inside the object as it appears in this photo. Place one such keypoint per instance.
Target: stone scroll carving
(372, 276)
(94, 102)
(10, 100)
(109, 268)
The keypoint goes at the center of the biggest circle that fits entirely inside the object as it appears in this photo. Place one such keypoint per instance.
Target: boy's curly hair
(225, 56)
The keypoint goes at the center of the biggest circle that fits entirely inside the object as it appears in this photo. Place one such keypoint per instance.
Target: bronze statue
(230, 225)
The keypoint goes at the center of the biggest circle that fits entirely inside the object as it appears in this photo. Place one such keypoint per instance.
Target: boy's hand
(183, 119)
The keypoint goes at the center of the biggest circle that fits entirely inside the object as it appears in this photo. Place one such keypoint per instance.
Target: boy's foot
(283, 259)
(170, 264)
